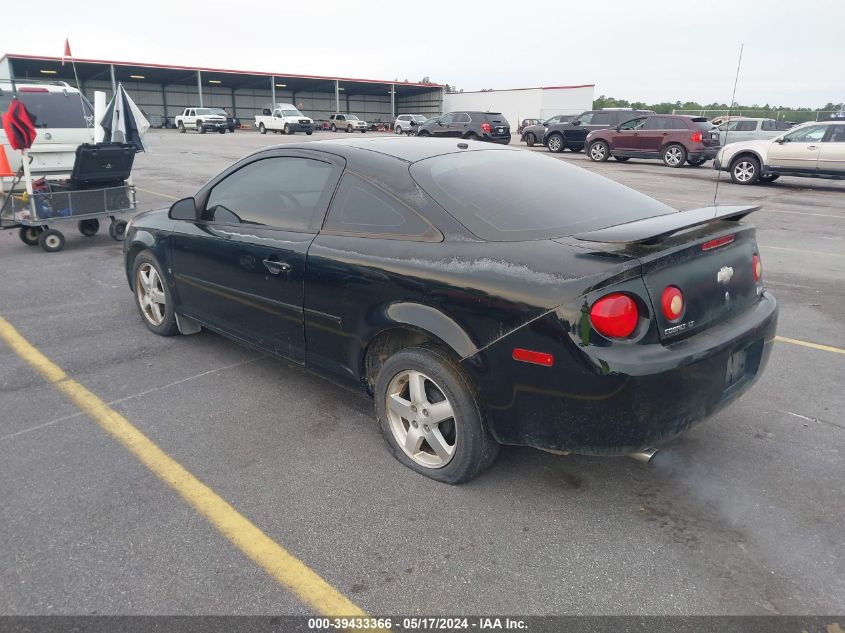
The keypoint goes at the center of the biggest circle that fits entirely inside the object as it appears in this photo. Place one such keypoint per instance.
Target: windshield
(53, 109)
(219, 112)
(508, 195)
(419, 117)
(293, 112)
(351, 117)
(203, 111)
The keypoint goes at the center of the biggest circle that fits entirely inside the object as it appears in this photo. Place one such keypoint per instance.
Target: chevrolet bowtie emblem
(725, 274)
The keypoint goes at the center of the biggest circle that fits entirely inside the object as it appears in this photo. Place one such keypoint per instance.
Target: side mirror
(439, 122)
(414, 123)
(184, 209)
(576, 122)
(781, 140)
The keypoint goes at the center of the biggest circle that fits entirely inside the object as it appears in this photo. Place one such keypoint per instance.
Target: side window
(679, 124)
(190, 113)
(769, 126)
(602, 118)
(837, 135)
(360, 207)
(461, 117)
(633, 124)
(448, 118)
(746, 126)
(655, 123)
(809, 134)
(404, 117)
(340, 117)
(586, 118)
(277, 113)
(284, 193)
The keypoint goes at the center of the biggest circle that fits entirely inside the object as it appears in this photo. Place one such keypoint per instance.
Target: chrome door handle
(276, 267)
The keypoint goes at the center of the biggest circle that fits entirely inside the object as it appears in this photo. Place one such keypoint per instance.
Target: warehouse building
(163, 91)
(524, 103)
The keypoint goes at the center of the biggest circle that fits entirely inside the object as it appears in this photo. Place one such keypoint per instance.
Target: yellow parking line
(285, 568)
(156, 193)
(801, 250)
(824, 348)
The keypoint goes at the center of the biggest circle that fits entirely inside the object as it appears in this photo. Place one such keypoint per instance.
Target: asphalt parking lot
(743, 515)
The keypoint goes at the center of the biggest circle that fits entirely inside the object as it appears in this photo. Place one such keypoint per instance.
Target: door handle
(276, 267)
(812, 147)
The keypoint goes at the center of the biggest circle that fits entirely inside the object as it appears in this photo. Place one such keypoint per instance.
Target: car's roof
(406, 149)
(58, 86)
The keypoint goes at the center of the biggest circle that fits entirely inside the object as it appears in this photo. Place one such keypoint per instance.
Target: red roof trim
(13, 56)
(537, 88)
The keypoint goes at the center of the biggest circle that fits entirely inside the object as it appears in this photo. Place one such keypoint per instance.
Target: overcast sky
(645, 51)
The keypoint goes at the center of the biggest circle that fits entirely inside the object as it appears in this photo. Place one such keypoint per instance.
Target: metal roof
(30, 67)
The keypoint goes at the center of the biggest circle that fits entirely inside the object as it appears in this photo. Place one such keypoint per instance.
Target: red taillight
(529, 356)
(672, 303)
(719, 241)
(486, 127)
(758, 267)
(696, 137)
(25, 89)
(615, 316)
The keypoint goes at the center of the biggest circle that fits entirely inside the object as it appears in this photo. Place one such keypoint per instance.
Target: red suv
(674, 138)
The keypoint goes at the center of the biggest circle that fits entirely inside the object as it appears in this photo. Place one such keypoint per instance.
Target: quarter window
(361, 207)
(602, 118)
(284, 192)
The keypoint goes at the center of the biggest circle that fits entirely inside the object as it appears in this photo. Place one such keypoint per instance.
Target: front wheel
(769, 177)
(622, 159)
(181, 127)
(530, 139)
(745, 170)
(599, 151)
(117, 230)
(262, 129)
(674, 155)
(287, 128)
(222, 130)
(309, 132)
(152, 295)
(51, 240)
(398, 130)
(430, 417)
(333, 128)
(555, 143)
(348, 129)
(200, 127)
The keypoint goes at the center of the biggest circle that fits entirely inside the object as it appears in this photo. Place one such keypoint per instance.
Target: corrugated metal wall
(249, 101)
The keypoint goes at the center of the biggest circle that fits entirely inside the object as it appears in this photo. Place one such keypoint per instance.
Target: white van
(63, 119)
(283, 117)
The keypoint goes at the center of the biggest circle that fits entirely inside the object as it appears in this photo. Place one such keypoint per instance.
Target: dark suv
(674, 138)
(479, 126)
(573, 134)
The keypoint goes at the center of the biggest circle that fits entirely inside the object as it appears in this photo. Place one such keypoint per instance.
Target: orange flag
(67, 52)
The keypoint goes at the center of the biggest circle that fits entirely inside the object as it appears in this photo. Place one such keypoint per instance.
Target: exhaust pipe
(645, 455)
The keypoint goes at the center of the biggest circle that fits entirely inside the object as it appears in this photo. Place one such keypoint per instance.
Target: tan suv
(347, 122)
(815, 150)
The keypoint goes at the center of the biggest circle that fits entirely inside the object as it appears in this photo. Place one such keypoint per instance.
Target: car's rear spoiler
(658, 228)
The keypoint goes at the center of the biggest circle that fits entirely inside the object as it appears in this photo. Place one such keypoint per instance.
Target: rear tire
(555, 143)
(599, 151)
(530, 139)
(622, 159)
(333, 128)
(575, 150)
(674, 155)
(89, 228)
(471, 137)
(262, 129)
(29, 235)
(117, 230)
(222, 130)
(745, 170)
(465, 447)
(398, 130)
(51, 240)
(698, 162)
(767, 178)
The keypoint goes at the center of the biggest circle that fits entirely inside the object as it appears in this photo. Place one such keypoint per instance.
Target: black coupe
(481, 294)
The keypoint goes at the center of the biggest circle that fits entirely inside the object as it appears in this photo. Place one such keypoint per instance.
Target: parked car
(480, 296)
(526, 123)
(64, 120)
(202, 120)
(673, 138)
(285, 118)
(815, 150)
(478, 126)
(750, 129)
(348, 122)
(406, 123)
(573, 134)
(535, 133)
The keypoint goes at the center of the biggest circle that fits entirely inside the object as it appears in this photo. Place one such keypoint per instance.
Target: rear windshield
(53, 109)
(701, 123)
(511, 195)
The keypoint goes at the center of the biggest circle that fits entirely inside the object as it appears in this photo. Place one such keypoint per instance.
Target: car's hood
(761, 145)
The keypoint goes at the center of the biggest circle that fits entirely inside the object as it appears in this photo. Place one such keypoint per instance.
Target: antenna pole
(730, 109)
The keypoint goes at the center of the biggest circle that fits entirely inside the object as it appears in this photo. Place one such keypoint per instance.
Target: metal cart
(37, 207)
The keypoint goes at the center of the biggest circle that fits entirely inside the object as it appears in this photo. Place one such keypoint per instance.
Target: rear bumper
(502, 140)
(620, 399)
(706, 153)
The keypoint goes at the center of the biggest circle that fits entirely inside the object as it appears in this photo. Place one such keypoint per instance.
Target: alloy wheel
(598, 151)
(674, 156)
(421, 419)
(744, 171)
(150, 292)
(555, 143)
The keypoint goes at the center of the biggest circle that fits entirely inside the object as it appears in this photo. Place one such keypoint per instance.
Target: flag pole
(68, 53)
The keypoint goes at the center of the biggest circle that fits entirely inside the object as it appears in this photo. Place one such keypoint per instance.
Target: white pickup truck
(284, 118)
(202, 119)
